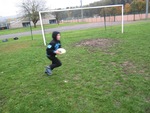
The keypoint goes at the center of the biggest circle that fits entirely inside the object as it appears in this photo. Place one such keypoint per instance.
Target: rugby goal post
(107, 6)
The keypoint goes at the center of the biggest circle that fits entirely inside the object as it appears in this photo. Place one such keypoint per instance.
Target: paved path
(61, 29)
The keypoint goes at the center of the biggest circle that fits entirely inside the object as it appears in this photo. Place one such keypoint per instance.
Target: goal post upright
(83, 8)
(43, 34)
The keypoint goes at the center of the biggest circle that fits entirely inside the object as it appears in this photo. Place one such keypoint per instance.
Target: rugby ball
(61, 50)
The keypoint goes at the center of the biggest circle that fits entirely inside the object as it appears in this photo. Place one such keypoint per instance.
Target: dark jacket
(53, 45)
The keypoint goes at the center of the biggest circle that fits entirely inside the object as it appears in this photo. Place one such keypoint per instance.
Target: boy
(52, 51)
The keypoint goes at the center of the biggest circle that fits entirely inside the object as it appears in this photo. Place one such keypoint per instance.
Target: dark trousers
(55, 62)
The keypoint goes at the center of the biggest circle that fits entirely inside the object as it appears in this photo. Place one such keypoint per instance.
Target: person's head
(56, 35)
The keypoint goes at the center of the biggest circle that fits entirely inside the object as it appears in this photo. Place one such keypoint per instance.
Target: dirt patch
(13, 47)
(130, 68)
(101, 43)
(147, 110)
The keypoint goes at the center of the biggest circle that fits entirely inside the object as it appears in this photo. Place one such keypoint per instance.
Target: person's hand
(57, 52)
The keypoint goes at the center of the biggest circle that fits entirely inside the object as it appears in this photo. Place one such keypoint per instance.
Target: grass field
(26, 29)
(102, 72)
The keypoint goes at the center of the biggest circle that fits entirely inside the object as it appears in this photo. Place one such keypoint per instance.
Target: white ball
(61, 50)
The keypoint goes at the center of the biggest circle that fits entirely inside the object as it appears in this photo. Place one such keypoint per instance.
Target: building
(18, 23)
(3, 23)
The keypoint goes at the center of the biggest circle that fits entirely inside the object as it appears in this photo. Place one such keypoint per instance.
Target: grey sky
(9, 7)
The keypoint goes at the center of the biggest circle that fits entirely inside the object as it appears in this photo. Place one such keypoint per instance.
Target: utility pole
(147, 9)
(81, 10)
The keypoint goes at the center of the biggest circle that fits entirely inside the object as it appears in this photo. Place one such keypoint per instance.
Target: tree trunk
(104, 18)
(34, 25)
(57, 21)
(34, 22)
(134, 17)
(140, 15)
(114, 17)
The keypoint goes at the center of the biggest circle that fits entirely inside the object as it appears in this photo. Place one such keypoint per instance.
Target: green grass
(26, 29)
(112, 80)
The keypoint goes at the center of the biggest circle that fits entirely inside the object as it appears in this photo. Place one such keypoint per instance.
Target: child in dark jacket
(52, 51)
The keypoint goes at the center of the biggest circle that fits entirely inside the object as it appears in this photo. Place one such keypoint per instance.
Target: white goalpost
(108, 6)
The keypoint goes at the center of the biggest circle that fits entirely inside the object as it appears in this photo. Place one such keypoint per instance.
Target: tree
(140, 5)
(58, 16)
(30, 9)
(118, 10)
(149, 7)
(133, 8)
(127, 9)
(113, 12)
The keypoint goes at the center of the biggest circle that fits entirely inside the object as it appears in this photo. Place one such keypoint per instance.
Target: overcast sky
(9, 7)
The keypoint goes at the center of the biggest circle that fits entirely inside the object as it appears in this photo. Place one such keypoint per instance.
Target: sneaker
(48, 70)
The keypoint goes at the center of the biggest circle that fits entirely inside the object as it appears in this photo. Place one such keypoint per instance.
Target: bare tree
(30, 9)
